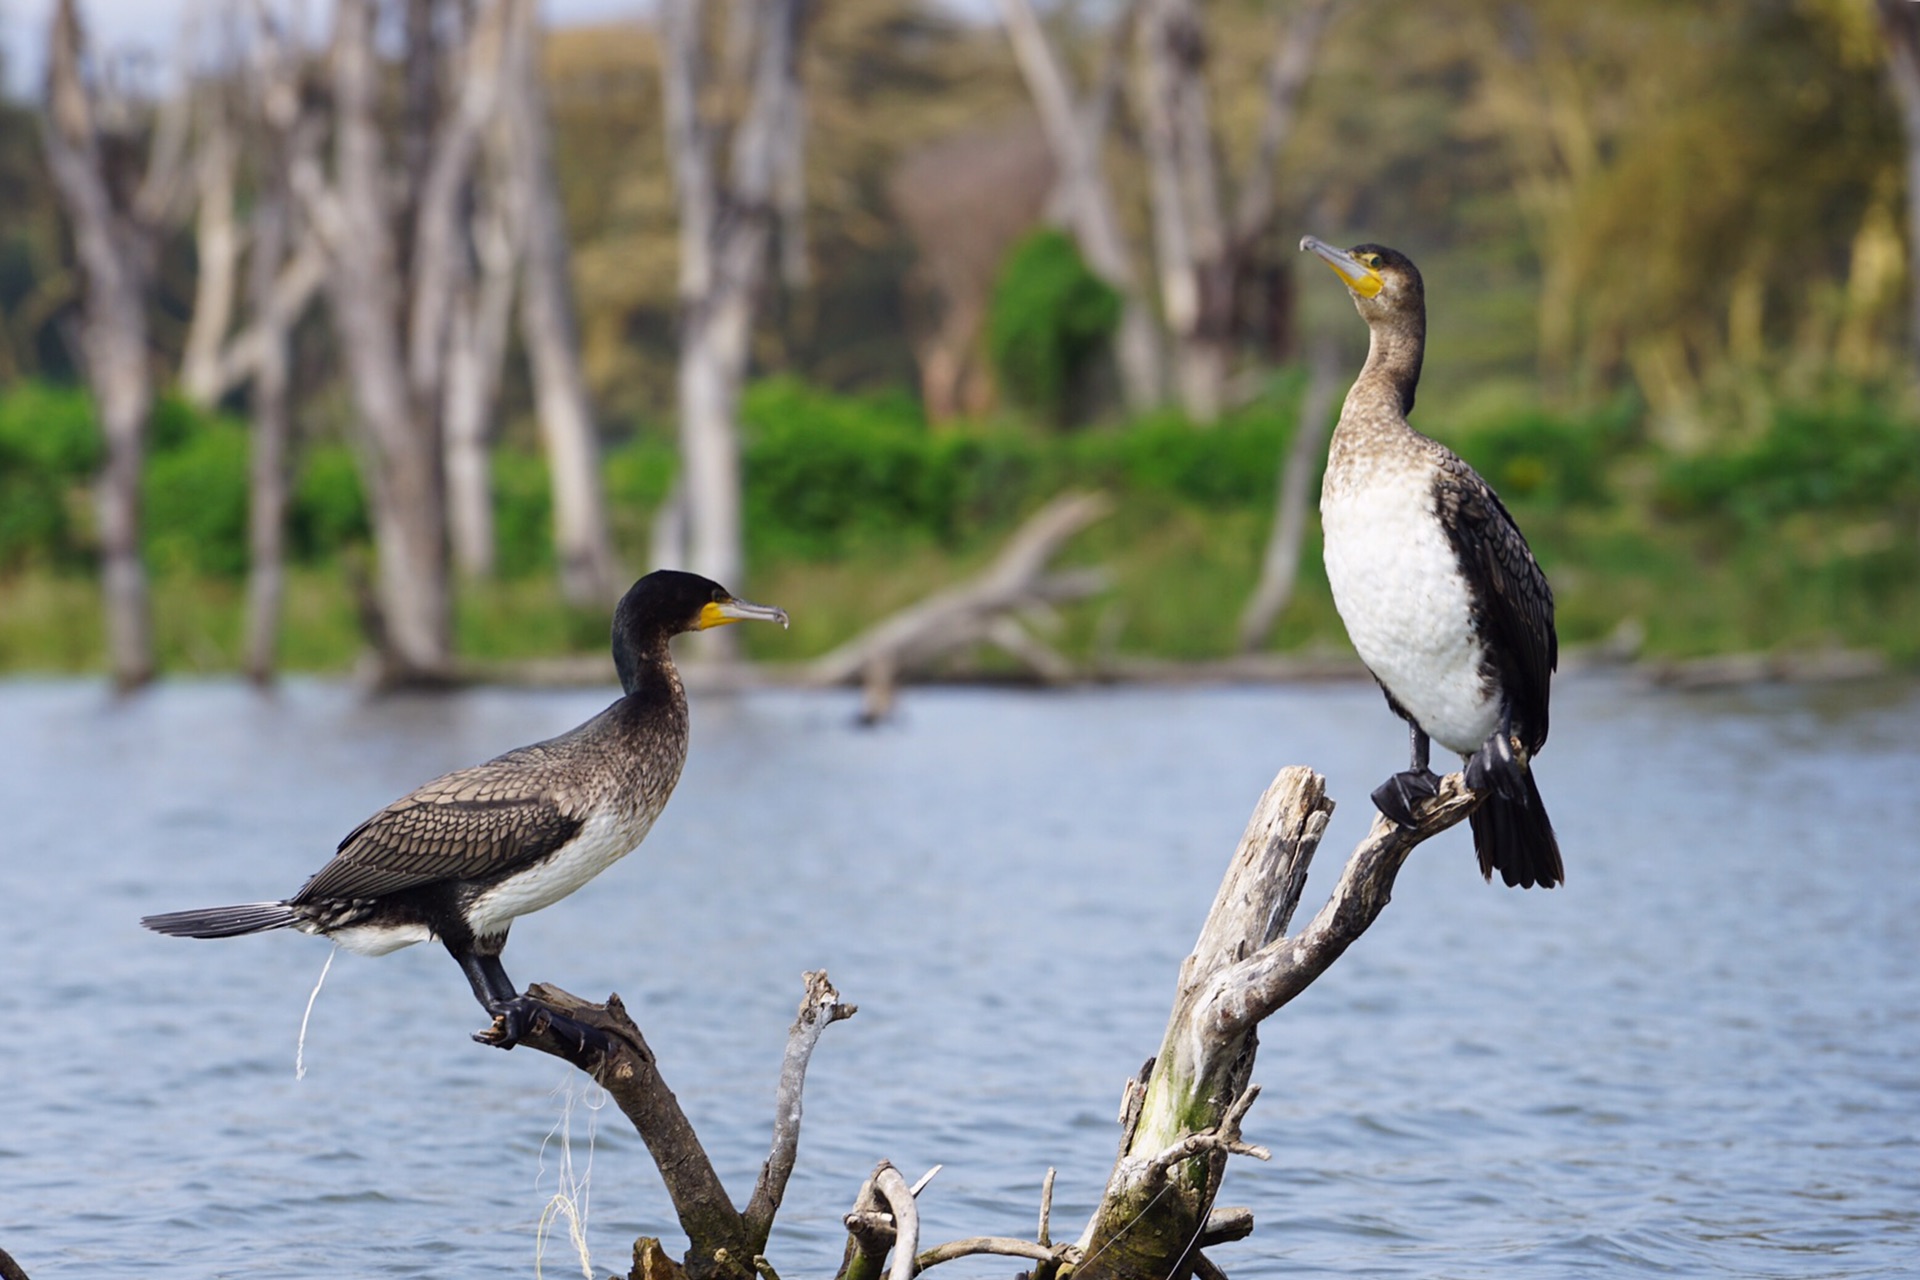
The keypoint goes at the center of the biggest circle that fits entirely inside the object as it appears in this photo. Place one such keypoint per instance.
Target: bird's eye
(1372, 260)
(719, 596)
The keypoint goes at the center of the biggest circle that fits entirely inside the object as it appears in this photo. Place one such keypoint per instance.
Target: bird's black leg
(1495, 765)
(517, 1013)
(1399, 795)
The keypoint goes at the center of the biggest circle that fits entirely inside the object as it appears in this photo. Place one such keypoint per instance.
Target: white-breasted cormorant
(461, 857)
(1438, 589)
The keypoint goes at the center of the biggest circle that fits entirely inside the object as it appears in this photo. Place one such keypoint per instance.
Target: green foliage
(1231, 464)
(194, 492)
(821, 469)
(1849, 457)
(1049, 318)
(329, 506)
(49, 450)
(826, 474)
(1534, 457)
(522, 514)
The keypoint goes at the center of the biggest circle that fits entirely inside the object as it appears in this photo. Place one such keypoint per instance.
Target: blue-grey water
(1700, 1057)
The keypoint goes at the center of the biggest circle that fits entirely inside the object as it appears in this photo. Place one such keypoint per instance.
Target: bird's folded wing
(1517, 603)
(474, 824)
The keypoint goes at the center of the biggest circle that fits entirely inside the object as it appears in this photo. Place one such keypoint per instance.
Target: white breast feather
(1397, 585)
(605, 838)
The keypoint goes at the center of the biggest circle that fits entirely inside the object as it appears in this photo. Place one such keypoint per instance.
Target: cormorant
(1437, 587)
(461, 857)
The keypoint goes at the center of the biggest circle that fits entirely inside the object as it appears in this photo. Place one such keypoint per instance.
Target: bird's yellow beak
(1355, 274)
(719, 613)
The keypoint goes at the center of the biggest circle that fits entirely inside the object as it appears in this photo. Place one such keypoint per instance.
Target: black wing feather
(1511, 594)
(477, 823)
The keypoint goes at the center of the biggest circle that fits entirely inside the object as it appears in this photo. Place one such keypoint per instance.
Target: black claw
(521, 1016)
(1401, 794)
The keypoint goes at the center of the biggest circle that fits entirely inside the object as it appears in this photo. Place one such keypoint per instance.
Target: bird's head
(1384, 282)
(669, 601)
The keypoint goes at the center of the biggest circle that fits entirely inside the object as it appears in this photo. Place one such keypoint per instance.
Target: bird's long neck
(646, 666)
(1383, 393)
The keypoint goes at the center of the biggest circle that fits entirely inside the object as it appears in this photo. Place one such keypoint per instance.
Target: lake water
(1700, 1057)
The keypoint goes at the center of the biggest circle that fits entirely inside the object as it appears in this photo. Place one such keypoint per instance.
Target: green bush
(194, 493)
(1533, 456)
(1846, 457)
(329, 507)
(49, 451)
(1049, 319)
(821, 469)
(1231, 464)
(522, 514)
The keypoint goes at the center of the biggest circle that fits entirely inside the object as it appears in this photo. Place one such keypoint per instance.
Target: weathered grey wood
(281, 282)
(723, 1243)
(725, 232)
(1087, 200)
(477, 342)
(820, 1007)
(1287, 76)
(115, 240)
(1900, 27)
(1243, 968)
(1189, 232)
(1280, 566)
(582, 539)
(217, 241)
(982, 608)
(268, 463)
(401, 446)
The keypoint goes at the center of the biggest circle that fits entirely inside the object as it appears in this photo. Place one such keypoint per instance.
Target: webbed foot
(1494, 765)
(521, 1016)
(1404, 792)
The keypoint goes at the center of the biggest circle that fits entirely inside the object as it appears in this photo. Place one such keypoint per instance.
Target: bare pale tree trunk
(477, 341)
(725, 233)
(1280, 567)
(116, 247)
(1087, 201)
(582, 540)
(393, 312)
(401, 442)
(268, 463)
(1900, 24)
(217, 239)
(1189, 233)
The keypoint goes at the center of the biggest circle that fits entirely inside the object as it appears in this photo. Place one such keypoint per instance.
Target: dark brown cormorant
(1437, 587)
(462, 856)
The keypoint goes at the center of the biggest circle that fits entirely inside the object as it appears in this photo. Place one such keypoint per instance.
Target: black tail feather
(222, 922)
(1515, 838)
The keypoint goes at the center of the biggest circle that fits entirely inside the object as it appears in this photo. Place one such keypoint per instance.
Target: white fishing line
(300, 1050)
(572, 1192)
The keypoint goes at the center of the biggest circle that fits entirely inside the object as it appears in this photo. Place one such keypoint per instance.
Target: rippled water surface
(1701, 1057)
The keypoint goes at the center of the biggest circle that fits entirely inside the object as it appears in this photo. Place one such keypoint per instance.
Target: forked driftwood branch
(1180, 1119)
(724, 1242)
(985, 609)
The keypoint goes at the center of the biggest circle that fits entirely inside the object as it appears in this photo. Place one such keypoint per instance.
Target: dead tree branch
(1280, 567)
(1243, 968)
(1086, 197)
(819, 1008)
(116, 239)
(724, 1243)
(983, 609)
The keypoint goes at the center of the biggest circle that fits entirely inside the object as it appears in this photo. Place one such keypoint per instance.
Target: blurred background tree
(1664, 245)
